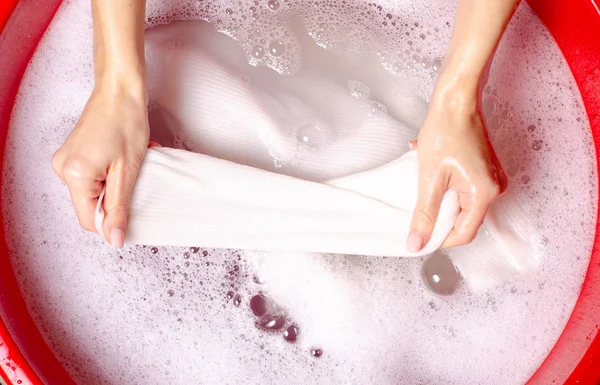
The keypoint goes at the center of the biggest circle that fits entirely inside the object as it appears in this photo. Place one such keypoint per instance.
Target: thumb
(425, 214)
(119, 186)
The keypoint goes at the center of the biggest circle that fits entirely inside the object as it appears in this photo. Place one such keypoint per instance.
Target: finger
(84, 194)
(467, 224)
(426, 213)
(502, 178)
(58, 162)
(498, 170)
(119, 186)
(85, 185)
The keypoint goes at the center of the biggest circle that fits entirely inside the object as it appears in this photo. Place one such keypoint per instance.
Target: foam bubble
(312, 135)
(359, 90)
(258, 52)
(277, 48)
(439, 274)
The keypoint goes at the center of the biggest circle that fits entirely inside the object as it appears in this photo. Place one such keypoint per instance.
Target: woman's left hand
(455, 153)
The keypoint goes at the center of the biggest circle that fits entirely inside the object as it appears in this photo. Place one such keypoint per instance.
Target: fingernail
(117, 238)
(415, 242)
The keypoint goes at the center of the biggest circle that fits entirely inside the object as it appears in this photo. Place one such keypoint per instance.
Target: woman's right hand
(105, 149)
(108, 144)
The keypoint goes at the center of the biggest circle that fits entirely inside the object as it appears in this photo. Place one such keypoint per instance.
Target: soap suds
(177, 316)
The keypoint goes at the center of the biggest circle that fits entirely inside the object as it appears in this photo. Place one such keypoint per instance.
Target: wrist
(455, 95)
(119, 65)
(455, 105)
(123, 83)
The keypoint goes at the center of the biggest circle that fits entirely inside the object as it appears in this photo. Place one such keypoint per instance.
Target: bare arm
(108, 143)
(479, 25)
(454, 150)
(119, 43)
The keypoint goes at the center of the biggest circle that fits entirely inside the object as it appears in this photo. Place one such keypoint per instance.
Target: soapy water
(187, 316)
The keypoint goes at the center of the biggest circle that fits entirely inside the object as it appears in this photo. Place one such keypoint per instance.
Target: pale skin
(108, 144)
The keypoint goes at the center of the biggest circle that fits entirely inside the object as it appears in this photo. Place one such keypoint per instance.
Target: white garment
(187, 199)
(362, 195)
(220, 106)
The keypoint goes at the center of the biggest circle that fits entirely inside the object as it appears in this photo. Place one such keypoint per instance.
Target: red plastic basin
(575, 359)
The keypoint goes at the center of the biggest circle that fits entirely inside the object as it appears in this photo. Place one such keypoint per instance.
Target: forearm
(119, 43)
(478, 27)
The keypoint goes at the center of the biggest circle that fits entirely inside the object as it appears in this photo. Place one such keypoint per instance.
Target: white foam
(139, 316)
